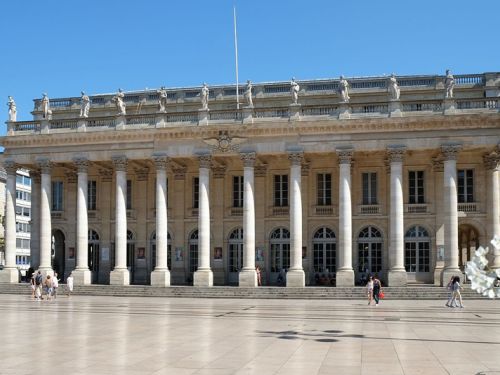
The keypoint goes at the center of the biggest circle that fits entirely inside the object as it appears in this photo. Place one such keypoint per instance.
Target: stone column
(492, 163)
(397, 273)
(204, 276)
(120, 274)
(10, 274)
(35, 219)
(248, 276)
(345, 273)
(45, 217)
(161, 275)
(450, 153)
(82, 274)
(295, 276)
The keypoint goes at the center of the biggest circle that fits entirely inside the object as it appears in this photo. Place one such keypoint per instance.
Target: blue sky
(63, 47)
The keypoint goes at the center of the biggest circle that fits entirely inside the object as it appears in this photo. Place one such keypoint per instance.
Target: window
(196, 192)
(57, 195)
(465, 185)
(369, 188)
(23, 195)
(417, 250)
(370, 250)
(23, 180)
(416, 187)
(22, 243)
(324, 189)
(281, 190)
(280, 250)
(129, 194)
(92, 195)
(324, 250)
(23, 211)
(23, 227)
(237, 191)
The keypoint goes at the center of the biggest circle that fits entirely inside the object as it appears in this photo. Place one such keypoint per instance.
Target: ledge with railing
(324, 210)
(369, 209)
(416, 208)
(467, 207)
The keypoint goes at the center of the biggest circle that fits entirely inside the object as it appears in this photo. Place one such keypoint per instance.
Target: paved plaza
(139, 336)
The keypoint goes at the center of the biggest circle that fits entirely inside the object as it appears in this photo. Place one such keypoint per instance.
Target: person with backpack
(38, 285)
(377, 288)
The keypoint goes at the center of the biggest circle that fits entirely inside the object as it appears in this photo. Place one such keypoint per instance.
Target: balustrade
(182, 117)
(416, 208)
(467, 207)
(64, 124)
(369, 209)
(141, 120)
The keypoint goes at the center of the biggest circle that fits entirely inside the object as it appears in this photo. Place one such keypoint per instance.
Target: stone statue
(120, 104)
(12, 109)
(47, 113)
(393, 87)
(162, 99)
(344, 90)
(248, 94)
(204, 96)
(84, 105)
(449, 84)
(294, 90)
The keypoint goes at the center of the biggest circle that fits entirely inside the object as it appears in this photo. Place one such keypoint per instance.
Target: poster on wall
(178, 254)
(141, 253)
(105, 254)
(217, 253)
(71, 253)
(259, 254)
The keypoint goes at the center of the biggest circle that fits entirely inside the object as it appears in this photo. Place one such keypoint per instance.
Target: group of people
(454, 297)
(374, 290)
(47, 287)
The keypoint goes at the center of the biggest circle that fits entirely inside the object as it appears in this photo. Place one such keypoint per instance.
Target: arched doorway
(131, 255)
(235, 254)
(324, 251)
(417, 254)
(93, 255)
(58, 253)
(193, 253)
(370, 251)
(468, 242)
(152, 246)
(280, 253)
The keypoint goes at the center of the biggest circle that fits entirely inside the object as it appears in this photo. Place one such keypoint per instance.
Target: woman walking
(449, 287)
(369, 290)
(377, 287)
(456, 287)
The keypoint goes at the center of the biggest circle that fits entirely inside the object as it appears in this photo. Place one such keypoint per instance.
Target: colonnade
(247, 277)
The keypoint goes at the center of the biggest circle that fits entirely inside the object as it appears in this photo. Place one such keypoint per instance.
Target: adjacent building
(396, 176)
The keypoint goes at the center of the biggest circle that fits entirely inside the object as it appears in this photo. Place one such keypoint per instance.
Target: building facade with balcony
(406, 187)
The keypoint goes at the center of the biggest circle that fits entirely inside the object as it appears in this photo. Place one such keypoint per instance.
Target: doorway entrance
(235, 251)
(58, 253)
(468, 242)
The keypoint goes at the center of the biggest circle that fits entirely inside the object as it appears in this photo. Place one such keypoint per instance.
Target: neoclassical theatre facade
(306, 180)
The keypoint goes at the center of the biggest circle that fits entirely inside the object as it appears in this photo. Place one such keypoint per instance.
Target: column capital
(120, 162)
(142, 173)
(179, 172)
(248, 159)
(219, 171)
(44, 164)
(395, 154)
(492, 160)
(345, 155)
(35, 176)
(450, 151)
(296, 157)
(82, 164)
(106, 174)
(205, 161)
(71, 176)
(10, 167)
(160, 160)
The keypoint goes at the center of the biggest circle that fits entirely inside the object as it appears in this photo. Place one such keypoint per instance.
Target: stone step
(410, 292)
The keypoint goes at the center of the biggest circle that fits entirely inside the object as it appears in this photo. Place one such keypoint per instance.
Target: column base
(247, 278)
(82, 277)
(119, 277)
(448, 273)
(203, 278)
(295, 279)
(294, 112)
(203, 116)
(160, 278)
(449, 106)
(344, 112)
(9, 275)
(397, 278)
(344, 278)
(395, 108)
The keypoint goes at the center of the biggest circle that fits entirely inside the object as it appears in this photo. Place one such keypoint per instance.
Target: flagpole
(236, 59)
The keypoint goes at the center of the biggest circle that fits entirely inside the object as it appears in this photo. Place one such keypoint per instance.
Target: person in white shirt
(55, 285)
(69, 284)
(369, 290)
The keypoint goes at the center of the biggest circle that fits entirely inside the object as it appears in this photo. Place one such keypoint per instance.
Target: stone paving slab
(129, 335)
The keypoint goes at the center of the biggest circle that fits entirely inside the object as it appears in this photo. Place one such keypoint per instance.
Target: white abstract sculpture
(393, 87)
(162, 99)
(12, 109)
(120, 104)
(483, 279)
(204, 96)
(449, 83)
(248, 94)
(344, 90)
(84, 105)
(294, 90)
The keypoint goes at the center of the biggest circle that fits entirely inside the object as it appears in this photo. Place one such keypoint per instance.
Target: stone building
(397, 176)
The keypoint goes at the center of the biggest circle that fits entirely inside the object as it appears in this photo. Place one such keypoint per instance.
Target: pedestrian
(55, 285)
(369, 290)
(32, 285)
(69, 284)
(259, 276)
(449, 287)
(38, 285)
(456, 287)
(48, 287)
(377, 288)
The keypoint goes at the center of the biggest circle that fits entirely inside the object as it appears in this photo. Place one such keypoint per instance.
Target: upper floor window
(23, 211)
(196, 192)
(57, 195)
(237, 191)
(324, 189)
(129, 194)
(465, 187)
(92, 195)
(369, 188)
(23, 180)
(281, 190)
(23, 195)
(416, 187)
